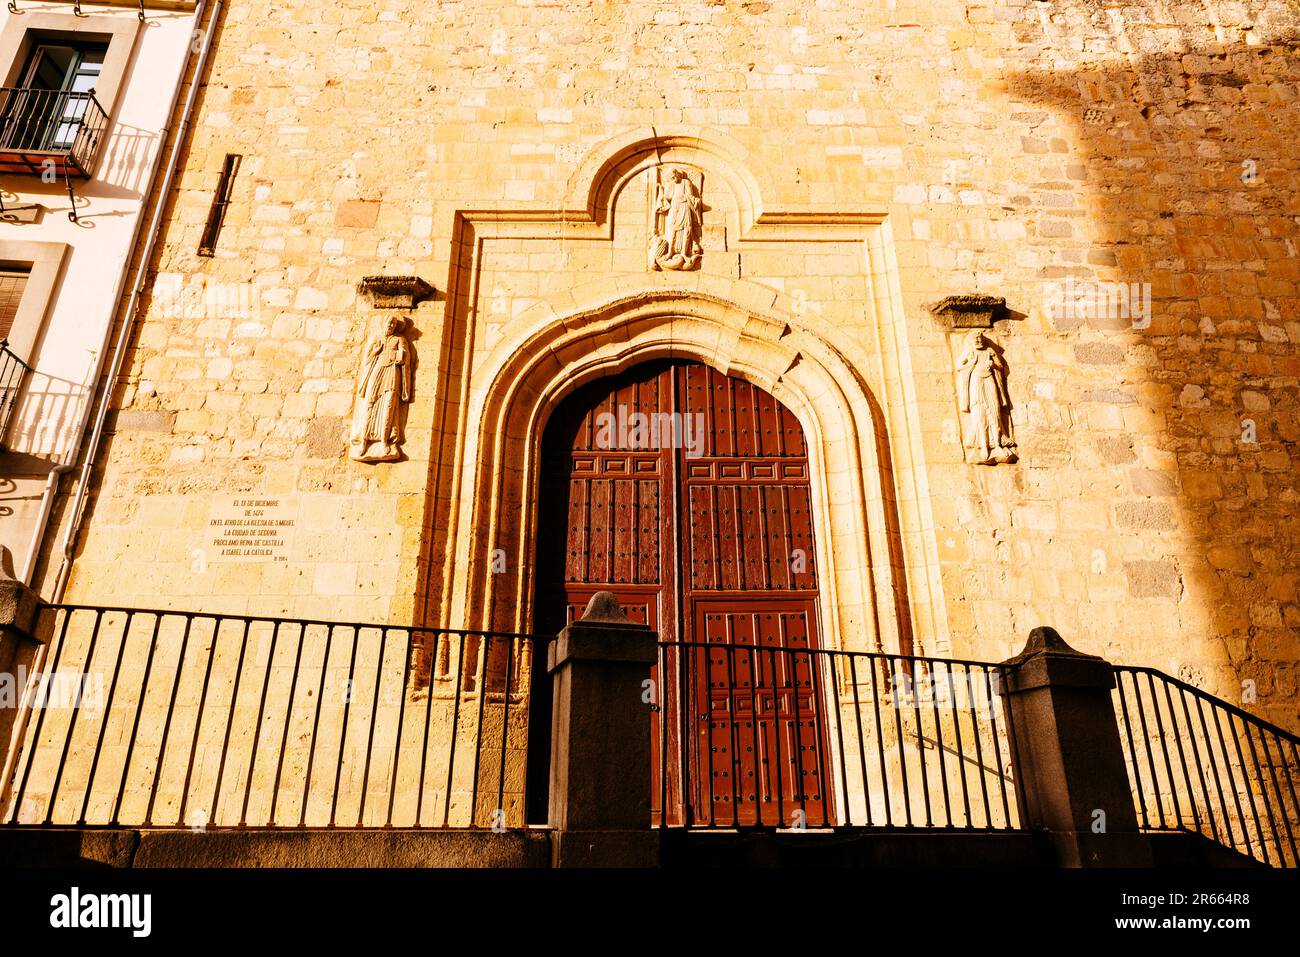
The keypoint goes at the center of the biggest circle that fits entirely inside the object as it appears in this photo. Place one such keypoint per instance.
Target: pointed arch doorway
(686, 493)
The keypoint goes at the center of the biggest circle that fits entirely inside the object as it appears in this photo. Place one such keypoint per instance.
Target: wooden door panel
(712, 543)
(760, 741)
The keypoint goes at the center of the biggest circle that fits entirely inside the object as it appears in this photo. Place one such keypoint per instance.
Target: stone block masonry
(1002, 149)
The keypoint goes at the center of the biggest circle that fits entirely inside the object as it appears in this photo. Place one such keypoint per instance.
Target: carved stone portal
(982, 395)
(384, 389)
(676, 221)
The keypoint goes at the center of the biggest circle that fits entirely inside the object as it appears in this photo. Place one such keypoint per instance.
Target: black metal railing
(57, 131)
(1200, 764)
(782, 737)
(179, 719)
(13, 372)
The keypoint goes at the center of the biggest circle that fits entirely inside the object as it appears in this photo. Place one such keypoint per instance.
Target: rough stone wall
(1011, 145)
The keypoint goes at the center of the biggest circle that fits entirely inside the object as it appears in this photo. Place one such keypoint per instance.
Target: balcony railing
(786, 737)
(56, 132)
(168, 719)
(1198, 763)
(172, 719)
(13, 372)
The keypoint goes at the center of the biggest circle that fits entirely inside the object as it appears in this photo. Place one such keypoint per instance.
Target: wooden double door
(685, 492)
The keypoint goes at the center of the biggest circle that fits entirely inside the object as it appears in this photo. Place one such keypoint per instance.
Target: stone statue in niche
(983, 397)
(384, 389)
(677, 221)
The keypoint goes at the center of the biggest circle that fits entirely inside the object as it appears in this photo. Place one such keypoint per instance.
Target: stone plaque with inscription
(251, 528)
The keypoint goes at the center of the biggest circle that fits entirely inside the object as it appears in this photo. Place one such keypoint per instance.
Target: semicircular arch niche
(546, 299)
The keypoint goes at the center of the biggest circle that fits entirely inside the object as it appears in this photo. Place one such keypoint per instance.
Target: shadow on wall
(1193, 186)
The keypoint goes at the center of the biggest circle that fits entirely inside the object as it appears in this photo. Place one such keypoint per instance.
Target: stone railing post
(1071, 763)
(19, 646)
(600, 740)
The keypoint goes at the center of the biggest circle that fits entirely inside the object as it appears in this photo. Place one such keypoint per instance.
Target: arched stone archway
(543, 356)
(802, 302)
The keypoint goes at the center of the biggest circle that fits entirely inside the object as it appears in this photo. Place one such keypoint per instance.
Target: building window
(13, 280)
(60, 75)
(58, 81)
(54, 112)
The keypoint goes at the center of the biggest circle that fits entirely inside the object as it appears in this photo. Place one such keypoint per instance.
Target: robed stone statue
(983, 397)
(384, 389)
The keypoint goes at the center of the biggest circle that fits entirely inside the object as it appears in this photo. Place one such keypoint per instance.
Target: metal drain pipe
(78, 507)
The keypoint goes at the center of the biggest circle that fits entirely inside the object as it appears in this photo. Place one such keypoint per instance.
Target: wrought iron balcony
(50, 132)
(13, 371)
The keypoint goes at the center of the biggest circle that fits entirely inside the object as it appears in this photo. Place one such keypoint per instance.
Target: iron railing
(13, 372)
(178, 719)
(1198, 763)
(787, 737)
(50, 130)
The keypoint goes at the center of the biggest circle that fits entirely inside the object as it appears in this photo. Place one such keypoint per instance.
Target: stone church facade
(911, 327)
(1107, 196)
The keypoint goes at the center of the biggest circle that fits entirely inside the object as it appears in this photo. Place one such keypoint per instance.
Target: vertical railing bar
(1232, 781)
(760, 794)
(257, 729)
(997, 750)
(836, 677)
(708, 724)
(478, 735)
(434, 640)
(505, 730)
(343, 731)
(455, 727)
(961, 750)
(374, 720)
(135, 724)
(1146, 745)
(1214, 771)
(902, 742)
(686, 707)
(284, 732)
(403, 691)
(1281, 801)
(797, 738)
(880, 742)
(167, 724)
(103, 725)
(230, 720)
(938, 734)
(732, 729)
(198, 718)
(661, 698)
(1196, 761)
(1295, 756)
(815, 689)
(1290, 782)
(1164, 750)
(315, 723)
(917, 668)
(979, 755)
(76, 714)
(862, 748)
(1254, 811)
(1013, 753)
(1263, 792)
(776, 735)
(1132, 747)
(1182, 756)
